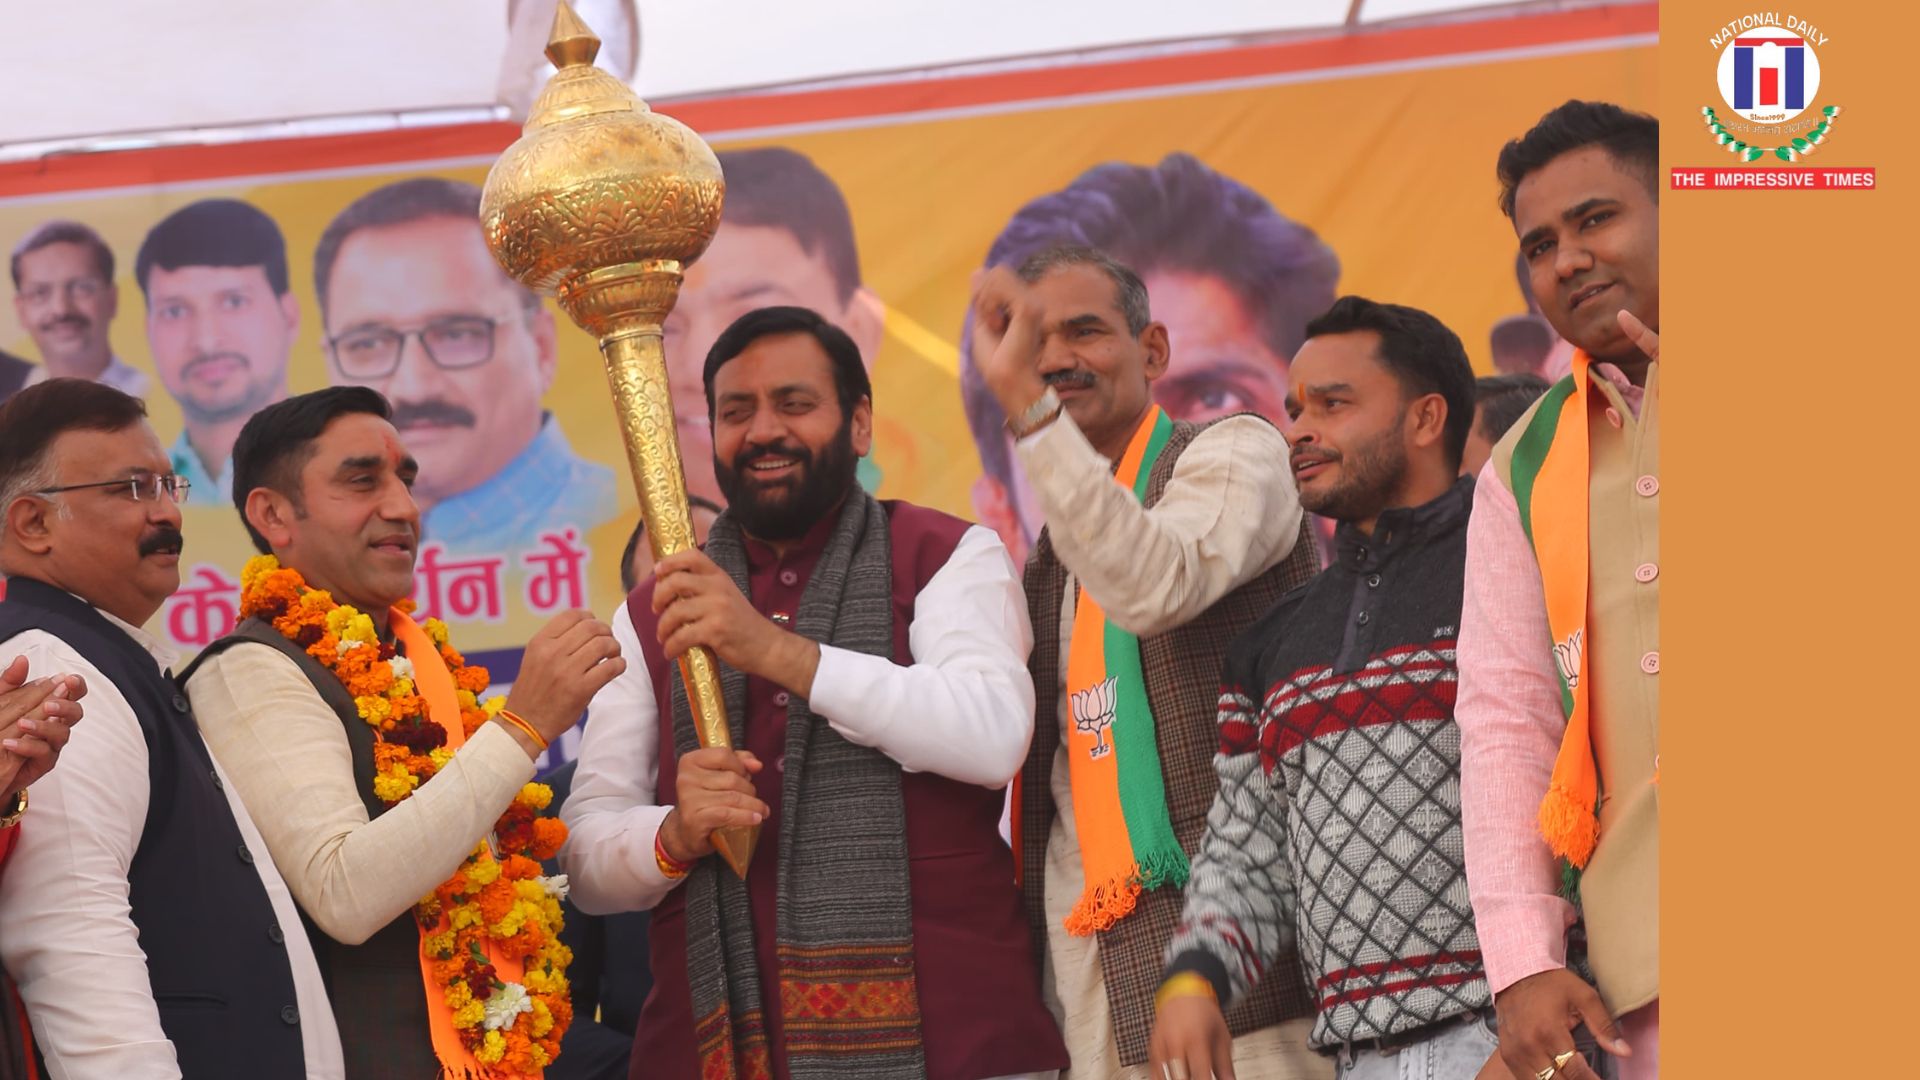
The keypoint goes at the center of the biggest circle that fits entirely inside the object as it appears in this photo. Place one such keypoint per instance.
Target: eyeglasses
(373, 352)
(138, 488)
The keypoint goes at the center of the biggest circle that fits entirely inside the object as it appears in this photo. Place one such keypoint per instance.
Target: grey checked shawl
(845, 931)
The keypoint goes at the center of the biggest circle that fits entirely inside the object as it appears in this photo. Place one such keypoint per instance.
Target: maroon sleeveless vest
(981, 1011)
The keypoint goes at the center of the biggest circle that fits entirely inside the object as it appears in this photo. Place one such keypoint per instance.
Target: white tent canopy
(110, 75)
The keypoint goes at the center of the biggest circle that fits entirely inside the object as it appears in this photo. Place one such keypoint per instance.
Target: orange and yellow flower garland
(490, 906)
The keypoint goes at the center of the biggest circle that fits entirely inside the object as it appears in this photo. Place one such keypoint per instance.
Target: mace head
(597, 180)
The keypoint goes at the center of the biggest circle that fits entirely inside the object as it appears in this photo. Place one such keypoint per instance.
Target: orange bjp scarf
(1113, 756)
(435, 684)
(1549, 477)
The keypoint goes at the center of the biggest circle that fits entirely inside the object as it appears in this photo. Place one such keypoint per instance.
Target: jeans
(1457, 1051)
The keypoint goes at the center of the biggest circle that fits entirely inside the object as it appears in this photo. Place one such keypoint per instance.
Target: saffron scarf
(435, 685)
(1113, 758)
(1550, 478)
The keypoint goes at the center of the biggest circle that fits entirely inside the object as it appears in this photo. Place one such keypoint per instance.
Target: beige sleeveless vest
(1620, 889)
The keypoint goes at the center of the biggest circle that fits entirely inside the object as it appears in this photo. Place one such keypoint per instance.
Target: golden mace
(602, 203)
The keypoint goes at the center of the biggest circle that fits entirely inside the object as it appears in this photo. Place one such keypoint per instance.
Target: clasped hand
(35, 719)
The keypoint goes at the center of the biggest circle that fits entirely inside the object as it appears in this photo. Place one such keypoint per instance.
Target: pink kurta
(1511, 726)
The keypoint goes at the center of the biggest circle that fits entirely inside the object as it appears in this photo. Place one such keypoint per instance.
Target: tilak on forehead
(396, 453)
(392, 454)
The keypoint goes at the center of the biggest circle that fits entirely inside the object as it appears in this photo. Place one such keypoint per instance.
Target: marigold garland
(499, 904)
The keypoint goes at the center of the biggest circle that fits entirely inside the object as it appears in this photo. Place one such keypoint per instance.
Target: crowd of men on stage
(1178, 799)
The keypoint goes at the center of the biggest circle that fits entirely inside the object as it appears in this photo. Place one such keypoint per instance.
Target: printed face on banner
(220, 341)
(1222, 365)
(67, 305)
(421, 312)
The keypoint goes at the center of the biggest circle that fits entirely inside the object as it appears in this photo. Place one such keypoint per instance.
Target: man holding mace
(873, 669)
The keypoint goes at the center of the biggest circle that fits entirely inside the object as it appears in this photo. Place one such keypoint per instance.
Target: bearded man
(873, 662)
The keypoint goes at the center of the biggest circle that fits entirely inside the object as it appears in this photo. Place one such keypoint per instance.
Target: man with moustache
(149, 933)
(785, 237)
(1163, 540)
(1559, 637)
(220, 324)
(1233, 279)
(321, 482)
(871, 659)
(1337, 825)
(63, 293)
(415, 306)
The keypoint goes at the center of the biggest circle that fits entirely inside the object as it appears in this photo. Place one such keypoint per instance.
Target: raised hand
(1644, 339)
(1007, 339)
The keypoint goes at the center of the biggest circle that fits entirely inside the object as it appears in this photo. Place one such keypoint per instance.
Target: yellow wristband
(516, 720)
(1184, 984)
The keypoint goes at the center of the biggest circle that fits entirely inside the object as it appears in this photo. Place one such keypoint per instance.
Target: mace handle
(637, 371)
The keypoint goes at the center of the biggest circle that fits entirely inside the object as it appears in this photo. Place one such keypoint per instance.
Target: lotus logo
(1567, 655)
(1093, 710)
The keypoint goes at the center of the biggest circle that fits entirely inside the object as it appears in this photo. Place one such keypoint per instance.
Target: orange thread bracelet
(670, 866)
(516, 720)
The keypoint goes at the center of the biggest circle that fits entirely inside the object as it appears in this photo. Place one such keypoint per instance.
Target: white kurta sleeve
(964, 707)
(288, 756)
(1230, 512)
(611, 815)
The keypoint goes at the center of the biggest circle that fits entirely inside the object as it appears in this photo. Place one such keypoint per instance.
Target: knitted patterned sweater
(1338, 816)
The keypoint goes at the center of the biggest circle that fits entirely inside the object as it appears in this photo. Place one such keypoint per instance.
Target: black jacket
(216, 957)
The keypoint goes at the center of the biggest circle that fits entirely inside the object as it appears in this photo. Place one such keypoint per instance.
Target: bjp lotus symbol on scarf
(1093, 711)
(1567, 655)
